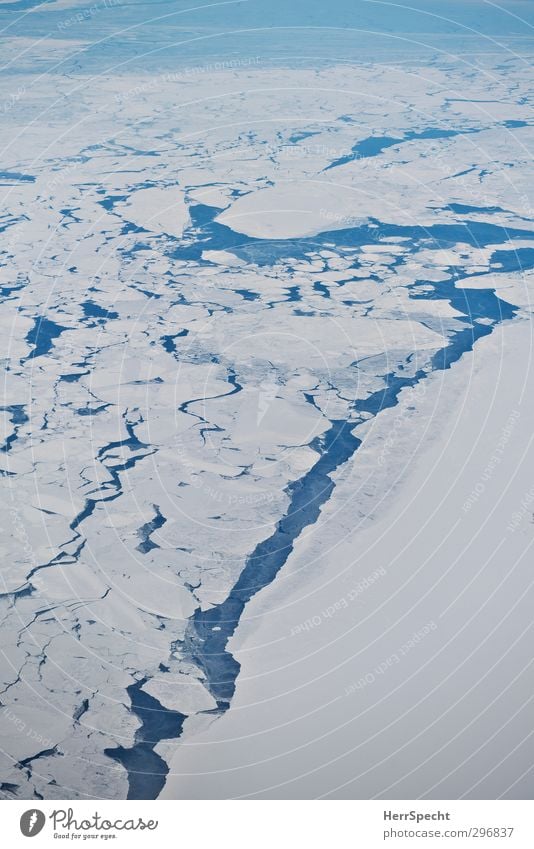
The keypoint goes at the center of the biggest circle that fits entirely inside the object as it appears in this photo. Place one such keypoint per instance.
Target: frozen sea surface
(223, 263)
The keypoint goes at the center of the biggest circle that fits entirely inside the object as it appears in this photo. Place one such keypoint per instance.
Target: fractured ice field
(213, 288)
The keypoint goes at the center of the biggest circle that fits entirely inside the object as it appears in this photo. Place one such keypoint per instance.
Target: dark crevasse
(208, 234)
(145, 531)
(205, 646)
(374, 145)
(113, 485)
(146, 769)
(208, 631)
(93, 310)
(42, 336)
(17, 177)
(168, 342)
(17, 417)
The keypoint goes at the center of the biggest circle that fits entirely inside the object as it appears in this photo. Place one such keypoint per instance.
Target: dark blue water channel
(374, 145)
(146, 769)
(208, 631)
(42, 336)
(205, 646)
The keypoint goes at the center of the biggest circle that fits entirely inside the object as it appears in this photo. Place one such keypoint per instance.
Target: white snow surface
(164, 387)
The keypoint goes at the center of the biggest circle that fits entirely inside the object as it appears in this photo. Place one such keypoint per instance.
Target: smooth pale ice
(267, 329)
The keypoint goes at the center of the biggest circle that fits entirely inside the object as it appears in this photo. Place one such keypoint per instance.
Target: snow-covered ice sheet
(391, 658)
(237, 303)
